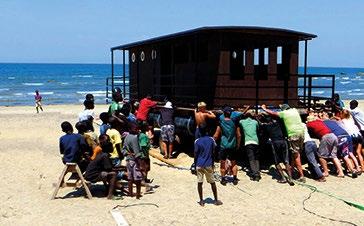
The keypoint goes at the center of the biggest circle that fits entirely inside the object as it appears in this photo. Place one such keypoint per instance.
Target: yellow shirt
(115, 139)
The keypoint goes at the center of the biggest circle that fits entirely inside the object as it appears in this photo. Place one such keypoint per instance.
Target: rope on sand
(137, 204)
(313, 190)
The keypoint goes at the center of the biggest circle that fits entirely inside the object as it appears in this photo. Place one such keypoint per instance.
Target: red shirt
(317, 128)
(144, 107)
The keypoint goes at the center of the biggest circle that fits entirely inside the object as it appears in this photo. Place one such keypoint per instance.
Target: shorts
(280, 151)
(230, 154)
(328, 146)
(208, 172)
(38, 104)
(357, 139)
(102, 176)
(167, 133)
(344, 145)
(296, 143)
(145, 164)
(116, 162)
(134, 173)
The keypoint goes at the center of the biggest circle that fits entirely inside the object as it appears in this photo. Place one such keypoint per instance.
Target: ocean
(69, 83)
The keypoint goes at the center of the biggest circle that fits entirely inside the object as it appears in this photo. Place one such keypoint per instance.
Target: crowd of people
(318, 136)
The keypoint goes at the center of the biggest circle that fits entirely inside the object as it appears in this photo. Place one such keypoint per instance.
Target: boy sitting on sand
(72, 146)
(204, 149)
(100, 169)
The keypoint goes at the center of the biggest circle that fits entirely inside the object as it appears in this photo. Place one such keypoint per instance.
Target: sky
(82, 31)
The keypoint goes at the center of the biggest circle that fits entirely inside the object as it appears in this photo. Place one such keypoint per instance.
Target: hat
(168, 105)
(284, 107)
(227, 109)
(201, 104)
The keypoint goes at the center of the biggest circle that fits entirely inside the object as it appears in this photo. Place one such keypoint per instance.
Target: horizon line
(128, 64)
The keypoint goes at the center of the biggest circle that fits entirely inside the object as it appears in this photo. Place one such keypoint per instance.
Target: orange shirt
(96, 151)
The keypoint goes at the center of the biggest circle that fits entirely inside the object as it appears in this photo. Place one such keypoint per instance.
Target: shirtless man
(201, 117)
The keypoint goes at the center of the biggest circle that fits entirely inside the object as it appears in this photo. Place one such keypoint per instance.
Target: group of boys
(340, 137)
(100, 157)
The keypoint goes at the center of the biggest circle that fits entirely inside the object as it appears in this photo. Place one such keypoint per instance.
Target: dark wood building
(219, 65)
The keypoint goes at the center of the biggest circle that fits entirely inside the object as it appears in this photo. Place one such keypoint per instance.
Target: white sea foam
(92, 92)
(356, 90)
(11, 78)
(318, 92)
(346, 82)
(345, 78)
(41, 93)
(65, 83)
(33, 84)
(121, 82)
(4, 89)
(18, 94)
(356, 94)
(82, 76)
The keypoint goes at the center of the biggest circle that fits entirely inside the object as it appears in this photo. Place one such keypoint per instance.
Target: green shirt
(292, 122)
(144, 145)
(114, 106)
(228, 135)
(250, 128)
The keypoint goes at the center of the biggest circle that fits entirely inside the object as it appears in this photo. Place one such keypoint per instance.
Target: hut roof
(252, 30)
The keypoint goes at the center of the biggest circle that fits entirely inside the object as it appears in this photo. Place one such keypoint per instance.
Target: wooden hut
(226, 65)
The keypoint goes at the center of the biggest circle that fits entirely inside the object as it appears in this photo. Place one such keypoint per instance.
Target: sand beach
(31, 164)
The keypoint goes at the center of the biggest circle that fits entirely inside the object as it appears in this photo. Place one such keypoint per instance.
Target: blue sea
(69, 83)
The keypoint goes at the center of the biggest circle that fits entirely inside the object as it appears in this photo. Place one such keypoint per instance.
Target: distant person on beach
(250, 128)
(144, 107)
(72, 146)
(201, 117)
(38, 101)
(229, 134)
(167, 129)
(295, 131)
(131, 150)
(203, 159)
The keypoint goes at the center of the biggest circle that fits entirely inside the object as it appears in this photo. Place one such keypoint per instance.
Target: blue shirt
(204, 148)
(72, 147)
(335, 128)
(104, 128)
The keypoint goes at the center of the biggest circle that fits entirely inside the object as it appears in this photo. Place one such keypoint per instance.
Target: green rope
(313, 188)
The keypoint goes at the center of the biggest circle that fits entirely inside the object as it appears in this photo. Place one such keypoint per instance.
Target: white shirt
(307, 135)
(84, 115)
(350, 127)
(358, 115)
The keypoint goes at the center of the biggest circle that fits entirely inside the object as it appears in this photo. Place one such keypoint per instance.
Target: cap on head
(227, 109)
(168, 105)
(201, 104)
(284, 107)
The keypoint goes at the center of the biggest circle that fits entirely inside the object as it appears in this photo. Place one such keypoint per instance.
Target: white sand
(30, 164)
